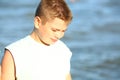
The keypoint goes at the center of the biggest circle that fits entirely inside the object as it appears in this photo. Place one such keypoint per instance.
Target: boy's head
(51, 9)
(51, 20)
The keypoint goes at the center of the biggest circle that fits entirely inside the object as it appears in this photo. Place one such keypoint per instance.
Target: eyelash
(54, 30)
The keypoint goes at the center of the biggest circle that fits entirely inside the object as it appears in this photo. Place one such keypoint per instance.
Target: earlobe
(37, 22)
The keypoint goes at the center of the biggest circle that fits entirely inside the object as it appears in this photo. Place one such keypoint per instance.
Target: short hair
(50, 9)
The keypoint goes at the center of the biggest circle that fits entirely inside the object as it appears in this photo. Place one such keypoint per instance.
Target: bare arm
(7, 67)
(68, 77)
(0, 72)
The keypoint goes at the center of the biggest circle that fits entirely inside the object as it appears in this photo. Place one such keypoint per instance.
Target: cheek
(47, 33)
(62, 34)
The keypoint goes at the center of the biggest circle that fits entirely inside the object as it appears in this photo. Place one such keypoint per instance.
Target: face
(52, 31)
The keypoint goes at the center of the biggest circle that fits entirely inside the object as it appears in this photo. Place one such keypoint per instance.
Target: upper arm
(8, 69)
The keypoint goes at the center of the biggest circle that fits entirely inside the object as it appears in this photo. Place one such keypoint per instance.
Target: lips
(54, 40)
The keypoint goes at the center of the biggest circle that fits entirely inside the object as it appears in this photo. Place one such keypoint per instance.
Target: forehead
(57, 23)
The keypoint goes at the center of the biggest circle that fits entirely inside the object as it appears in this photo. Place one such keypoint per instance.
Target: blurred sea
(93, 36)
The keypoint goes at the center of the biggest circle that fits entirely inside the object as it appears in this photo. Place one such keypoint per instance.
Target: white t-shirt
(36, 61)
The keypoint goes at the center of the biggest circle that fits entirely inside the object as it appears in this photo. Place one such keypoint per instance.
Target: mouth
(54, 40)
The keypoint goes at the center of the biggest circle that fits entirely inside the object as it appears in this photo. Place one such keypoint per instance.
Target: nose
(59, 35)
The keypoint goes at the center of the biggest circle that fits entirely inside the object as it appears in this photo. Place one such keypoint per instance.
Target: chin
(52, 43)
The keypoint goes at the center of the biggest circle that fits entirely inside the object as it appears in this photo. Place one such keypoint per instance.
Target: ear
(37, 22)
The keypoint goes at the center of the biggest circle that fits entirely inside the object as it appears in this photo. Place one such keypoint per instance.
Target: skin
(50, 32)
(8, 69)
(0, 72)
(46, 34)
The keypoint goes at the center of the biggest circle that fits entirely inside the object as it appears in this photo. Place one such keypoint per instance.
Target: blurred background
(93, 36)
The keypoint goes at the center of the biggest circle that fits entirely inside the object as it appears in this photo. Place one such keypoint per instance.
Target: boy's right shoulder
(19, 42)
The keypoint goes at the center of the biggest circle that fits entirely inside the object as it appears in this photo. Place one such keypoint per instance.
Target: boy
(41, 55)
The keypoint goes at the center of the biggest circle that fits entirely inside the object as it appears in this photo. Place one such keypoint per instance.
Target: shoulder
(60, 44)
(18, 42)
(18, 45)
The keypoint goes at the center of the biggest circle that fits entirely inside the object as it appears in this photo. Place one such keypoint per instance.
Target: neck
(35, 35)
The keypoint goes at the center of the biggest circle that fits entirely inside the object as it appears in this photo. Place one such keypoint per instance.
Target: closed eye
(55, 30)
(64, 30)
